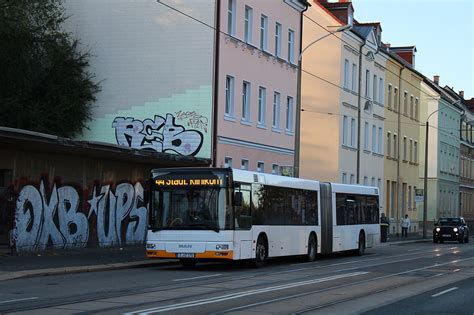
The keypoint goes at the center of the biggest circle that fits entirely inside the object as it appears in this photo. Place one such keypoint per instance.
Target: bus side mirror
(238, 198)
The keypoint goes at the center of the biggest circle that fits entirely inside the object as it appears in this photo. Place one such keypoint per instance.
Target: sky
(441, 30)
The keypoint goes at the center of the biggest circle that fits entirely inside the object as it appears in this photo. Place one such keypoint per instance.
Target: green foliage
(44, 82)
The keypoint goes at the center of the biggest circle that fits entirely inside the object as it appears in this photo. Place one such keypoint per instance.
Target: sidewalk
(99, 259)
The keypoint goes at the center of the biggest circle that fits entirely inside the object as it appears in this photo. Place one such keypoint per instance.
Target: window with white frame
(261, 167)
(275, 169)
(405, 103)
(352, 180)
(353, 132)
(346, 74)
(409, 197)
(374, 138)
(344, 178)
(354, 77)
(374, 88)
(229, 96)
(372, 181)
(395, 146)
(379, 183)
(289, 114)
(291, 46)
(395, 99)
(344, 130)
(263, 32)
(231, 17)
(248, 24)
(404, 148)
(389, 96)
(244, 164)
(246, 101)
(227, 161)
(411, 150)
(412, 105)
(366, 136)
(278, 30)
(262, 105)
(276, 111)
(381, 91)
(416, 108)
(380, 146)
(389, 144)
(367, 83)
(415, 152)
(366, 181)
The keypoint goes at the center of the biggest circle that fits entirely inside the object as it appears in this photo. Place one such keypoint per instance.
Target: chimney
(436, 79)
(461, 93)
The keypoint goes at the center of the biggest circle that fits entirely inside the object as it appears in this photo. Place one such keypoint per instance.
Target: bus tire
(188, 263)
(312, 248)
(361, 247)
(261, 252)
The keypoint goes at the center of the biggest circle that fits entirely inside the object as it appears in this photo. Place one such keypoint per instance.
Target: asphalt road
(391, 279)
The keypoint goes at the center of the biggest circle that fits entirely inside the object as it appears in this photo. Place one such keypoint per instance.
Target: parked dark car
(451, 229)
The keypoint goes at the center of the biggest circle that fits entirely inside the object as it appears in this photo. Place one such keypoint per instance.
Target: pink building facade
(256, 84)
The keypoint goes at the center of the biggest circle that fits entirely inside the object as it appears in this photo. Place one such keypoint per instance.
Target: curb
(82, 269)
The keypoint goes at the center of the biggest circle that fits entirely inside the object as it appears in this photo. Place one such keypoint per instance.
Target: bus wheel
(260, 253)
(312, 248)
(361, 249)
(188, 263)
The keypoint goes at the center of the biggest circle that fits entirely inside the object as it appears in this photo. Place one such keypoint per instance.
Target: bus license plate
(446, 235)
(184, 255)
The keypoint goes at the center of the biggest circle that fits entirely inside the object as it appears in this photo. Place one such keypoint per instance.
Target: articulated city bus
(228, 214)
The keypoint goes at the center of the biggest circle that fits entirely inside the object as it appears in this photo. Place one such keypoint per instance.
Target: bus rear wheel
(312, 248)
(260, 253)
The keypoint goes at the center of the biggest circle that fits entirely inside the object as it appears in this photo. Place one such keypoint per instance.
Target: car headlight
(455, 229)
(438, 229)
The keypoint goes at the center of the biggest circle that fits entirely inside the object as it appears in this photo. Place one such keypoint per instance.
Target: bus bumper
(205, 255)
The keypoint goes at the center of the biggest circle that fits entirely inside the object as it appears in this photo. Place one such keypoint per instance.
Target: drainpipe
(398, 142)
(359, 112)
(216, 84)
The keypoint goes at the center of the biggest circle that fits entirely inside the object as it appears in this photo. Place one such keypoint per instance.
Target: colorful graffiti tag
(108, 217)
(160, 134)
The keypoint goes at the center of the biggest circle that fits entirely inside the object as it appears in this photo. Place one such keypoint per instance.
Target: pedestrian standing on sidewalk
(405, 225)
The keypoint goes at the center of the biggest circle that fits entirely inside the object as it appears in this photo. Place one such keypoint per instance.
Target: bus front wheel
(260, 252)
(312, 248)
(361, 248)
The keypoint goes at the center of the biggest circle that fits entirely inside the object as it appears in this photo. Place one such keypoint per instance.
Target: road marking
(18, 300)
(200, 277)
(232, 296)
(445, 291)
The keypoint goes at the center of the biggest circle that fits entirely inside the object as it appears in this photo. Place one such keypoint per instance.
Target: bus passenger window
(243, 216)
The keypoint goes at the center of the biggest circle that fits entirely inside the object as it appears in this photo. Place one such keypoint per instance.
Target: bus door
(242, 221)
(326, 218)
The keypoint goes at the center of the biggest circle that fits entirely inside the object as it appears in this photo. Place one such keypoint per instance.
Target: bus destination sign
(189, 182)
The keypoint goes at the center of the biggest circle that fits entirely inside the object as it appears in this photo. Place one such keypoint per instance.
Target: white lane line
(445, 291)
(200, 277)
(18, 300)
(242, 294)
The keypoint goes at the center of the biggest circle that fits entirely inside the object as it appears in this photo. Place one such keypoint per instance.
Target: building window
(261, 167)
(404, 148)
(379, 183)
(373, 182)
(381, 91)
(415, 152)
(367, 83)
(353, 132)
(352, 180)
(374, 138)
(231, 17)
(389, 96)
(380, 146)
(344, 178)
(354, 77)
(275, 169)
(248, 24)
(395, 146)
(411, 106)
(375, 88)
(366, 136)
(411, 150)
(229, 96)
(278, 30)
(395, 99)
(227, 161)
(291, 46)
(346, 74)
(289, 114)
(262, 105)
(405, 103)
(263, 32)
(244, 164)
(366, 181)
(389, 144)
(416, 108)
(276, 111)
(246, 101)
(344, 130)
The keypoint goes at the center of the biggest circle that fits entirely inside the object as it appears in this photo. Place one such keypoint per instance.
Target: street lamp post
(296, 162)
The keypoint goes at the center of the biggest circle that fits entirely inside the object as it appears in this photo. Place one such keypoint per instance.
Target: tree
(45, 85)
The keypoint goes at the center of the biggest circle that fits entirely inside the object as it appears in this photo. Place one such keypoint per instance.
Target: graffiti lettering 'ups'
(57, 220)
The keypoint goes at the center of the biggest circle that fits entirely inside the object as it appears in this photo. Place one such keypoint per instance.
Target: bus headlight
(438, 229)
(455, 229)
(150, 246)
(222, 247)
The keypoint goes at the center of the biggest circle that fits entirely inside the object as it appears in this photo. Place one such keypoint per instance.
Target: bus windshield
(191, 209)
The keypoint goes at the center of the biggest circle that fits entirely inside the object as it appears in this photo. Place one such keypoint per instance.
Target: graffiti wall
(64, 216)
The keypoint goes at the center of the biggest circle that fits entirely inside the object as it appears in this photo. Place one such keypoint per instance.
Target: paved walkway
(95, 259)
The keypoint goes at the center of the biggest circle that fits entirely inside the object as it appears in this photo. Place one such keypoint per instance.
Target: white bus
(229, 214)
